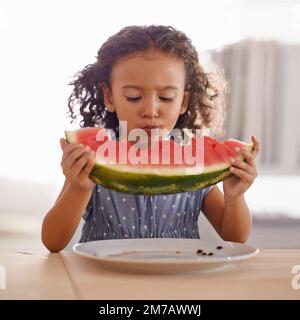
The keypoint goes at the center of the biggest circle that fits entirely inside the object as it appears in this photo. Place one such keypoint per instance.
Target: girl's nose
(150, 110)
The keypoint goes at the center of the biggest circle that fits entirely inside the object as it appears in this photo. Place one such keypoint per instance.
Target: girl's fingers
(68, 149)
(63, 143)
(88, 168)
(77, 153)
(248, 156)
(255, 147)
(74, 155)
(243, 165)
(79, 165)
(244, 175)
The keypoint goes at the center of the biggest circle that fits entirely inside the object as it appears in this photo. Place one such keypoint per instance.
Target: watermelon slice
(157, 169)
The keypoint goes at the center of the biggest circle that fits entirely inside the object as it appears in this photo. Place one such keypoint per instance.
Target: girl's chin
(147, 141)
(147, 136)
(154, 132)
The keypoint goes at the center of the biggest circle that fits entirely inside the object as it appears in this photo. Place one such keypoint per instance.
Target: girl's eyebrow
(159, 88)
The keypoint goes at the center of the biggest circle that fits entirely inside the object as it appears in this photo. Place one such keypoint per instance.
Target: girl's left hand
(244, 172)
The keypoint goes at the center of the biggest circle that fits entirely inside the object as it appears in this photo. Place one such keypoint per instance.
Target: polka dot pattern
(113, 215)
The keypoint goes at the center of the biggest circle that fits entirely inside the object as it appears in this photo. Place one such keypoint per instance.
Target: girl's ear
(107, 98)
(185, 102)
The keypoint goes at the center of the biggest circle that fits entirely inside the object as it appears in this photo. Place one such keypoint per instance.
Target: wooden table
(41, 275)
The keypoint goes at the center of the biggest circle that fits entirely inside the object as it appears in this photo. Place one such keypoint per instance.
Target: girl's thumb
(62, 143)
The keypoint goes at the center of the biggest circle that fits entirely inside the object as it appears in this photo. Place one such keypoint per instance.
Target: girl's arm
(229, 214)
(66, 183)
(63, 218)
(230, 218)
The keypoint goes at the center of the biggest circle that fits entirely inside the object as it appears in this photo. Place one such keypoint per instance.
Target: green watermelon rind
(148, 184)
(71, 136)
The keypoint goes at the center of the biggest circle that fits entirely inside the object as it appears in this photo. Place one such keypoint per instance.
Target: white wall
(43, 43)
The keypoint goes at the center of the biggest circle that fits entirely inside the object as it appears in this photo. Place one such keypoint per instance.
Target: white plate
(163, 254)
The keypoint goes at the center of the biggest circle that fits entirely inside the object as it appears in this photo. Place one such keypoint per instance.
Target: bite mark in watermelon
(159, 178)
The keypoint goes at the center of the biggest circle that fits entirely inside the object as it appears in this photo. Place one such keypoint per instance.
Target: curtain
(264, 99)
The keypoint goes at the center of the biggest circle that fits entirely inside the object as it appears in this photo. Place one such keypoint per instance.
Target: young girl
(151, 78)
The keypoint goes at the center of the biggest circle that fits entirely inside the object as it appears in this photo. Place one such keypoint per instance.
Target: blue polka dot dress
(114, 215)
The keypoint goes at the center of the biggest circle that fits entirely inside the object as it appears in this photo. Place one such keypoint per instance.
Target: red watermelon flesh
(130, 174)
(87, 136)
(169, 152)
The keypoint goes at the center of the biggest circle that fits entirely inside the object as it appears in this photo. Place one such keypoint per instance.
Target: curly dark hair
(207, 102)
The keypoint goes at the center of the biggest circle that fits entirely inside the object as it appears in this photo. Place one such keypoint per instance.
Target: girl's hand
(77, 163)
(244, 172)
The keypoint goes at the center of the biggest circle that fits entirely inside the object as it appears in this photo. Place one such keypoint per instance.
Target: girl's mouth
(150, 129)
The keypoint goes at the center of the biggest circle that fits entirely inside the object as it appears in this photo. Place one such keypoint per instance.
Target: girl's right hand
(77, 163)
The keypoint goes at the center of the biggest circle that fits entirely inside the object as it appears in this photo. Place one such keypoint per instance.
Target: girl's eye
(133, 98)
(166, 99)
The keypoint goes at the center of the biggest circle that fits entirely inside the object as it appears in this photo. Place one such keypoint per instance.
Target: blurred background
(44, 43)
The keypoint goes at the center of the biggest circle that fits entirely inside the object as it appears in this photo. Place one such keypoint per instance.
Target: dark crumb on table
(199, 251)
(219, 247)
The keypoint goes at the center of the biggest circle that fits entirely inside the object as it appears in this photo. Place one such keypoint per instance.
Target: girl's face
(147, 91)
